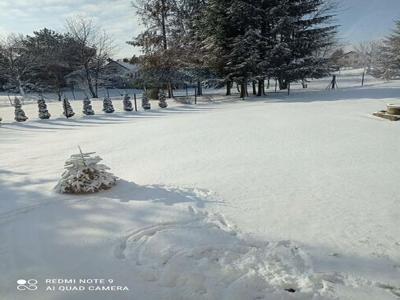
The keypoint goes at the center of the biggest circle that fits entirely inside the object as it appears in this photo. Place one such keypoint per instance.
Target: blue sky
(360, 19)
(363, 20)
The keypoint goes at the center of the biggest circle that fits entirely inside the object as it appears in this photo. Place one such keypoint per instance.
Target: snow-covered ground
(284, 197)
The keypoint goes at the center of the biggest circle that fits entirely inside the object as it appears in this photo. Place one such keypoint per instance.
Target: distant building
(116, 74)
(123, 69)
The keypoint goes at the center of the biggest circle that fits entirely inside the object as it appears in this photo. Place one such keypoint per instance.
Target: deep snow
(309, 181)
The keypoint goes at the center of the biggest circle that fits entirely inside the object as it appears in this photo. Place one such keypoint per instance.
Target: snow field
(309, 178)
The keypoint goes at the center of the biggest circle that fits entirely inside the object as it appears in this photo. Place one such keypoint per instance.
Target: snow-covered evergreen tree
(305, 33)
(19, 112)
(162, 99)
(258, 39)
(108, 107)
(87, 107)
(84, 174)
(43, 112)
(68, 111)
(127, 103)
(145, 101)
(388, 61)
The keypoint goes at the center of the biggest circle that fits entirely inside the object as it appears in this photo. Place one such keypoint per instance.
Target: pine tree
(244, 57)
(216, 32)
(68, 111)
(43, 112)
(87, 107)
(127, 103)
(19, 112)
(162, 99)
(84, 174)
(302, 34)
(108, 107)
(145, 101)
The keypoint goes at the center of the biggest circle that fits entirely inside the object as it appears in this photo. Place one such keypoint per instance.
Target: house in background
(119, 73)
(115, 74)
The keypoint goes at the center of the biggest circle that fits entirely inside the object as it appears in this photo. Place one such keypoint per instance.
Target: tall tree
(92, 47)
(217, 33)
(302, 34)
(244, 56)
(52, 60)
(158, 61)
(15, 62)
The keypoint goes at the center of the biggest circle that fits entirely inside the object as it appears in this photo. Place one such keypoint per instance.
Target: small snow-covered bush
(84, 174)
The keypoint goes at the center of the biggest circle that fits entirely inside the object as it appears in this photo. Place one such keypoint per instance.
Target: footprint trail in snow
(203, 257)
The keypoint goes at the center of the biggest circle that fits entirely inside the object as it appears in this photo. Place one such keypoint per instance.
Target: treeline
(41, 61)
(238, 41)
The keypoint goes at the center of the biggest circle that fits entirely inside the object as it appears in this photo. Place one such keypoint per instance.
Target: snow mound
(204, 257)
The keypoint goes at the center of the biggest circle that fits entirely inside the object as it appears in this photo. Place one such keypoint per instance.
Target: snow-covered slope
(309, 181)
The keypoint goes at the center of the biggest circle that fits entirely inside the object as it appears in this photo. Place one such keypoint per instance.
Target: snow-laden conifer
(145, 102)
(108, 107)
(43, 112)
(162, 99)
(68, 111)
(127, 103)
(84, 174)
(87, 107)
(19, 112)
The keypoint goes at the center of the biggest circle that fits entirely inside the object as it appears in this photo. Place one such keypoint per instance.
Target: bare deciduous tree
(93, 47)
(368, 52)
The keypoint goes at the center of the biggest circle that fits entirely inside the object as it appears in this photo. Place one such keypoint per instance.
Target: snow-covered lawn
(275, 198)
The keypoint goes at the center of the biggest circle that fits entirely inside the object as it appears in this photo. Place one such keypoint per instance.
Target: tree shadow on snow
(58, 123)
(126, 191)
(351, 94)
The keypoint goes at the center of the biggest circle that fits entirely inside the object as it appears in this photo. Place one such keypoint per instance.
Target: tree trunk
(268, 83)
(96, 86)
(59, 94)
(199, 89)
(89, 82)
(163, 27)
(243, 89)
(20, 87)
(254, 88)
(228, 88)
(263, 88)
(170, 91)
(260, 87)
(283, 84)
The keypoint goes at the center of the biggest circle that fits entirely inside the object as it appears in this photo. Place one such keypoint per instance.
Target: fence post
(363, 78)
(134, 98)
